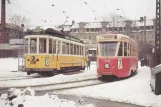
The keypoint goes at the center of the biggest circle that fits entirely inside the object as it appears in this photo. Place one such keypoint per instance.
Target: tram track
(19, 78)
(59, 86)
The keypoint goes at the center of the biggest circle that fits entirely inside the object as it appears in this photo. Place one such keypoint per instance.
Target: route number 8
(47, 61)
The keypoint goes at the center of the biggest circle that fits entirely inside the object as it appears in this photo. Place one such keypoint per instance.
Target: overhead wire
(94, 12)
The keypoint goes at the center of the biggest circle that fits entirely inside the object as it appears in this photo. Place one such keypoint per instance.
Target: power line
(23, 9)
(53, 5)
(94, 12)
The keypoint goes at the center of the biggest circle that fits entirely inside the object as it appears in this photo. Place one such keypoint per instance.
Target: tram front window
(33, 43)
(107, 48)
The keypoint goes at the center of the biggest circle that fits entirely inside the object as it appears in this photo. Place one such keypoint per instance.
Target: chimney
(73, 22)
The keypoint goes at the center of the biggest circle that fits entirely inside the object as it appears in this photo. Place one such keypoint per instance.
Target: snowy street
(134, 90)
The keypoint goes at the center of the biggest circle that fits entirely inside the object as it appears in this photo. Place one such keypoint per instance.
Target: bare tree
(19, 20)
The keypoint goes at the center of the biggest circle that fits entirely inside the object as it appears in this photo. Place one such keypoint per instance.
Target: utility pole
(158, 34)
(3, 21)
(143, 38)
(145, 50)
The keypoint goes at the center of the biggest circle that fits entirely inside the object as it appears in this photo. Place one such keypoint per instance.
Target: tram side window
(50, 46)
(67, 48)
(130, 49)
(33, 45)
(125, 48)
(42, 45)
(80, 50)
(63, 48)
(54, 46)
(59, 47)
(120, 49)
(75, 49)
(71, 49)
(26, 45)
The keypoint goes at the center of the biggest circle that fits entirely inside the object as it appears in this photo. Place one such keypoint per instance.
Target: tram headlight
(107, 66)
(32, 58)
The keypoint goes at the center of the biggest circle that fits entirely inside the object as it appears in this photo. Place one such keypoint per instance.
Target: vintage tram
(117, 55)
(50, 52)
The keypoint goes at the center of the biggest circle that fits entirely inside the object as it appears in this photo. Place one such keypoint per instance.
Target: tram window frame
(43, 49)
(120, 52)
(125, 49)
(54, 46)
(50, 46)
(33, 49)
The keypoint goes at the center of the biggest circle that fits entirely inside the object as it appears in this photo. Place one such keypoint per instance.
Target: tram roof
(54, 33)
(119, 36)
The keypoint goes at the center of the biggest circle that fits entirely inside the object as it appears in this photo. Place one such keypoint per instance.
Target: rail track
(19, 78)
(59, 86)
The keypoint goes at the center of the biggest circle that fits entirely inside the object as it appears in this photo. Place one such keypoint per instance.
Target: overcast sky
(77, 10)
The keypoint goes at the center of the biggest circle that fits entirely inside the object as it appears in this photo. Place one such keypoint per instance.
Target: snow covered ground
(135, 90)
(8, 66)
(5, 71)
(27, 98)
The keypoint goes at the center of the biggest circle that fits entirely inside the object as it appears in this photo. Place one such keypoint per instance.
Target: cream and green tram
(47, 54)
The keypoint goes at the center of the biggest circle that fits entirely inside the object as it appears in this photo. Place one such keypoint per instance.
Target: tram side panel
(52, 62)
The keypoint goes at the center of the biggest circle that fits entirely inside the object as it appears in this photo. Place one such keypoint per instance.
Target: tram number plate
(47, 61)
(119, 63)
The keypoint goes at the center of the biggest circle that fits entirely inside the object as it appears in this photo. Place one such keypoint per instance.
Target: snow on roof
(93, 25)
(75, 26)
(137, 23)
(67, 28)
(116, 24)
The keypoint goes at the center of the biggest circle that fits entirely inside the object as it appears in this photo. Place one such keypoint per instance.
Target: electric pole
(3, 21)
(145, 53)
(143, 38)
(158, 34)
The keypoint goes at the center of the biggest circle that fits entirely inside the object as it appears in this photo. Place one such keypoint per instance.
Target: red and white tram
(117, 55)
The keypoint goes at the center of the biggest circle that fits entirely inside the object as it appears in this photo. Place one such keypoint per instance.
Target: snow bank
(26, 98)
(135, 90)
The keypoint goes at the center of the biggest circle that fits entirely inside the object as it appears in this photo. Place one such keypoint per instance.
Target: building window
(87, 30)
